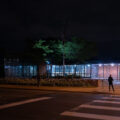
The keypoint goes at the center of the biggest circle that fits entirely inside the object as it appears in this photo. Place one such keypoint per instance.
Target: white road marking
(99, 107)
(78, 107)
(92, 116)
(112, 98)
(23, 102)
(104, 101)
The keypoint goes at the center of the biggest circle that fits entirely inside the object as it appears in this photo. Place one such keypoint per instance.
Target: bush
(52, 82)
(69, 82)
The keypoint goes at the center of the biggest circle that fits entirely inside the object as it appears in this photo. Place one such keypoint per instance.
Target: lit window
(100, 65)
(112, 64)
(88, 65)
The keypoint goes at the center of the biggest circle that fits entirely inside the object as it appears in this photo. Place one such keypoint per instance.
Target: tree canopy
(36, 52)
(75, 50)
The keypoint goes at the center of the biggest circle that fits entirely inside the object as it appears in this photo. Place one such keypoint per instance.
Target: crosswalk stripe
(92, 116)
(112, 98)
(23, 102)
(104, 101)
(99, 107)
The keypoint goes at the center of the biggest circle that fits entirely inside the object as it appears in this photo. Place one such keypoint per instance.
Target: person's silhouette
(110, 81)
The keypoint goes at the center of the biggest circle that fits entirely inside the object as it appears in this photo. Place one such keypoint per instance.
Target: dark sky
(94, 20)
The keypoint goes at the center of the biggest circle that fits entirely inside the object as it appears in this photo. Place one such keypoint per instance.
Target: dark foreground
(47, 105)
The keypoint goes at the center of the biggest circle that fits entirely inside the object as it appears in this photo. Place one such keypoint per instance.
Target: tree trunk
(41, 71)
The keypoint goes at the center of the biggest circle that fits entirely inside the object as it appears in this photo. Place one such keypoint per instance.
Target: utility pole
(63, 42)
(65, 26)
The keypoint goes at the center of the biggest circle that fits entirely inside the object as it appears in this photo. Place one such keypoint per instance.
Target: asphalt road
(47, 105)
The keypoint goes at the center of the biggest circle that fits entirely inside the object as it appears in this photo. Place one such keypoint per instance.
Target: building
(93, 71)
(13, 68)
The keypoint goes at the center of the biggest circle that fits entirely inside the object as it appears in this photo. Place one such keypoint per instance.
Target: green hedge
(53, 82)
(69, 82)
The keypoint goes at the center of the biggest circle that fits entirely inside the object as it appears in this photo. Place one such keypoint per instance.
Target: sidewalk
(99, 90)
(49, 88)
(103, 88)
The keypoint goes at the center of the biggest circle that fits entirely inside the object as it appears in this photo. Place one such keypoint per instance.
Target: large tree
(35, 52)
(75, 51)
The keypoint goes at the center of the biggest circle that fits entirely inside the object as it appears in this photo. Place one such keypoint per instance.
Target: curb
(94, 91)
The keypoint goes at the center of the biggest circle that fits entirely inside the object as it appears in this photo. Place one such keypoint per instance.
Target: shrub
(52, 82)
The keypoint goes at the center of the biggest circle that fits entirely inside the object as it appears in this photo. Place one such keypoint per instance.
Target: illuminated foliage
(75, 50)
(45, 48)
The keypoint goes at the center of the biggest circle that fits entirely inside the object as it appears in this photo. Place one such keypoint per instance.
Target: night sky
(94, 20)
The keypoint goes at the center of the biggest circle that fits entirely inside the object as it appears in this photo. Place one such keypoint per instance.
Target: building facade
(94, 71)
(13, 68)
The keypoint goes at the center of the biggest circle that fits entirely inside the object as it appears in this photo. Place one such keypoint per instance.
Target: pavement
(104, 108)
(18, 102)
(45, 106)
(53, 88)
(102, 89)
(59, 106)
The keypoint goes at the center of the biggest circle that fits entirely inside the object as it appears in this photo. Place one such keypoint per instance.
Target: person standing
(110, 81)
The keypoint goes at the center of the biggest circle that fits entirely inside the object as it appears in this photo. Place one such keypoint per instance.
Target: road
(16, 104)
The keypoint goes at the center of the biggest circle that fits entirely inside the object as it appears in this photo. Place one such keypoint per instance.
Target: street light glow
(100, 65)
(112, 64)
(88, 65)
